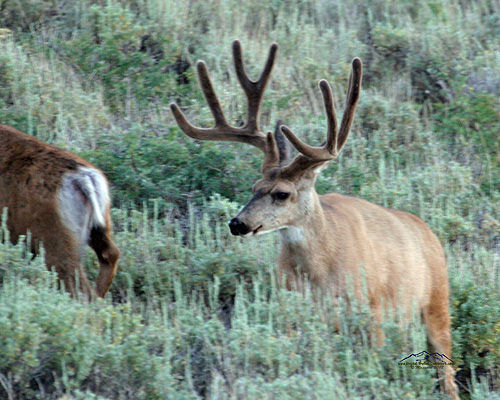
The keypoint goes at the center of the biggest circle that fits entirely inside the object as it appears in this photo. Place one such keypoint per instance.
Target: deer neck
(310, 236)
(310, 247)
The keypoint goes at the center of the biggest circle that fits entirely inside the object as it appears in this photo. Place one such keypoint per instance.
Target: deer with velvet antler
(332, 239)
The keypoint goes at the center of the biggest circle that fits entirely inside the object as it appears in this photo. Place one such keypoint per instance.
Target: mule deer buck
(63, 201)
(332, 238)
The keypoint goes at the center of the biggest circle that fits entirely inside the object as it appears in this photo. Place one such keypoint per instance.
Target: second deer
(63, 201)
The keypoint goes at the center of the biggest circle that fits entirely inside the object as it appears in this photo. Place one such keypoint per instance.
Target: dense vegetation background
(194, 313)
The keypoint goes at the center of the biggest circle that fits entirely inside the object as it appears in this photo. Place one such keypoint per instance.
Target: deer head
(285, 194)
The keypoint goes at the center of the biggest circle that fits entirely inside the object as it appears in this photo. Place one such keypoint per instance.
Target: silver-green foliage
(194, 312)
(180, 336)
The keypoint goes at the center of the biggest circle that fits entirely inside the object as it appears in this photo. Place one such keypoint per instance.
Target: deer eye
(280, 195)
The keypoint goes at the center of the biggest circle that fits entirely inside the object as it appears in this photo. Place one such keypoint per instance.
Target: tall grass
(172, 332)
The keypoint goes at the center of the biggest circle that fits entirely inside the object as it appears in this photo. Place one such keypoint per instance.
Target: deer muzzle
(238, 227)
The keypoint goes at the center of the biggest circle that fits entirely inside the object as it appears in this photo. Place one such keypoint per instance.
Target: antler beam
(310, 155)
(250, 133)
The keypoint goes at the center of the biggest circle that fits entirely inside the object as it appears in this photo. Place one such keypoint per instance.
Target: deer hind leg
(377, 334)
(437, 321)
(64, 255)
(107, 254)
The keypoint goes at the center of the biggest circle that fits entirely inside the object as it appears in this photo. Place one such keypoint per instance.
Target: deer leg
(377, 332)
(65, 257)
(107, 254)
(437, 321)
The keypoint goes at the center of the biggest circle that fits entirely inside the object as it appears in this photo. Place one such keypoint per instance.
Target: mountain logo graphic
(429, 357)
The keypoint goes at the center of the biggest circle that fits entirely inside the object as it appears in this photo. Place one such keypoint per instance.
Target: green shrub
(473, 119)
(172, 167)
(203, 313)
(391, 43)
(17, 260)
(53, 345)
(43, 97)
(476, 325)
(126, 54)
(158, 254)
(21, 16)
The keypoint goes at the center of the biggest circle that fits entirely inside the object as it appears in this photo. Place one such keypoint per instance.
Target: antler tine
(331, 140)
(215, 108)
(351, 101)
(303, 148)
(253, 89)
(186, 127)
(327, 150)
(271, 156)
(209, 93)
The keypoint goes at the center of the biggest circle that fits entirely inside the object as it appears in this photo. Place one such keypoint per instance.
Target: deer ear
(283, 144)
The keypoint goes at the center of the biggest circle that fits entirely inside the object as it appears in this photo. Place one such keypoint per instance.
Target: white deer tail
(83, 201)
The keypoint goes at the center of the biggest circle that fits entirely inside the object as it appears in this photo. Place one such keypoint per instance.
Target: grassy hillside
(195, 313)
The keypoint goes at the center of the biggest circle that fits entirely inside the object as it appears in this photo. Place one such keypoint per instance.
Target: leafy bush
(474, 305)
(128, 57)
(172, 168)
(17, 260)
(52, 345)
(23, 15)
(473, 119)
(159, 254)
(391, 43)
(476, 316)
(45, 98)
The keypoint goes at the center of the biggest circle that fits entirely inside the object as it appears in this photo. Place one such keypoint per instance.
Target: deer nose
(237, 227)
